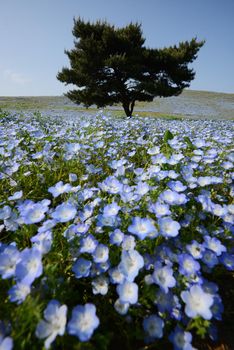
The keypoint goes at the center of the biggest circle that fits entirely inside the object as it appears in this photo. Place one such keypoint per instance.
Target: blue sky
(34, 34)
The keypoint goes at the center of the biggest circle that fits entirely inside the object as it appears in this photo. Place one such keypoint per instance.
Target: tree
(111, 65)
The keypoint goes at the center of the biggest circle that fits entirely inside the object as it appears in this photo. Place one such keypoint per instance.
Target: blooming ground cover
(112, 231)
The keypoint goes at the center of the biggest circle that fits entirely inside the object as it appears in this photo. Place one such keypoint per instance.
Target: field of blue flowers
(113, 231)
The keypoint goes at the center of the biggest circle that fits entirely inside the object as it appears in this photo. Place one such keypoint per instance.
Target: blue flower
(100, 285)
(187, 265)
(83, 322)
(111, 185)
(35, 213)
(121, 308)
(181, 340)
(59, 188)
(82, 267)
(6, 343)
(163, 276)
(131, 263)
(210, 258)
(159, 209)
(128, 292)
(116, 237)
(101, 253)
(19, 292)
(195, 249)
(176, 186)
(15, 196)
(55, 322)
(142, 228)
(30, 266)
(153, 326)
(88, 244)
(228, 261)
(198, 303)
(214, 244)
(9, 257)
(111, 209)
(64, 212)
(168, 227)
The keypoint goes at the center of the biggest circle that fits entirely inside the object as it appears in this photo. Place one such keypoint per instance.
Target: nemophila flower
(188, 265)
(170, 197)
(100, 285)
(116, 276)
(83, 322)
(172, 174)
(128, 243)
(5, 212)
(164, 301)
(47, 225)
(128, 292)
(72, 148)
(204, 180)
(154, 150)
(116, 237)
(159, 159)
(206, 202)
(19, 292)
(176, 186)
(130, 264)
(115, 164)
(209, 258)
(163, 276)
(228, 261)
(219, 210)
(142, 188)
(198, 303)
(42, 241)
(72, 177)
(33, 213)
(142, 228)
(81, 228)
(199, 143)
(85, 194)
(30, 266)
(59, 188)
(214, 244)
(121, 308)
(111, 209)
(217, 308)
(111, 221)
(101, 253)
(9, 257)
(195, 249)
(6, 343)
(168, 227)
(86, 213)
(153, 326)
(159, 209)
(64, 212)
(54, 324)
(15, 196)
(180, 339)
(111, 185)
(88, 244)
(82, 267)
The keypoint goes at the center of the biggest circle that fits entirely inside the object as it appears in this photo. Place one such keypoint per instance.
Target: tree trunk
(128, 108)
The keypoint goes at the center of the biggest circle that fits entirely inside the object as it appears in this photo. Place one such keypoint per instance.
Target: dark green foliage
(111, 65)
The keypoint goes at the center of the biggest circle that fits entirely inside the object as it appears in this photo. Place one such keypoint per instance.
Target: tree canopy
(111, 65)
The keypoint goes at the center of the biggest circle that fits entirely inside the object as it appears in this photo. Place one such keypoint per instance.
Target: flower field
(113, 232)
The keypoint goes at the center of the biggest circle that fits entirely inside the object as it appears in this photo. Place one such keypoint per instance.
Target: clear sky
(34, 34)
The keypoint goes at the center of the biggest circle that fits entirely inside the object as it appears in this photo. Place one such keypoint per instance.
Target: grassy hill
(191, 104)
